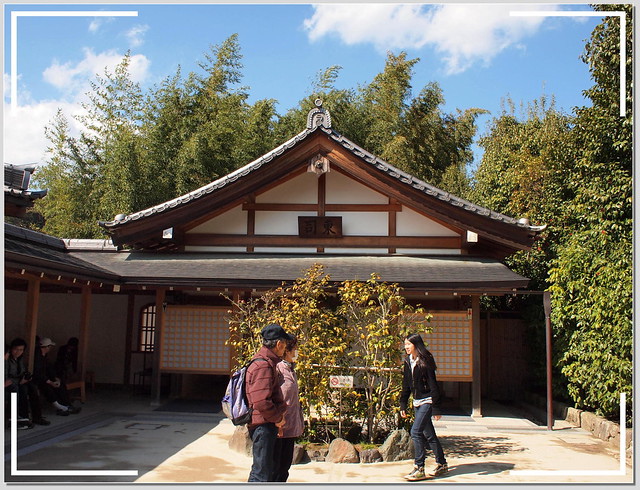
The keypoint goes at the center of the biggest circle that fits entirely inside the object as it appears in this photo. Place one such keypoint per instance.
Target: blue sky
(478, 53)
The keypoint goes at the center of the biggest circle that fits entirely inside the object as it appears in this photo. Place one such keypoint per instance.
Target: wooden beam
(392, 226)
(31, 317)
(476, 386)
(199, 239)
(157, 346)
(85, 317)
(128, 339)
(382, 208)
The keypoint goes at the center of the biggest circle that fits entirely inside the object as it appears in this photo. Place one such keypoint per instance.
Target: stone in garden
(370, 456)
(240, 441)
(342, 451)
(317, 452)
(397, 447)
(299, 454)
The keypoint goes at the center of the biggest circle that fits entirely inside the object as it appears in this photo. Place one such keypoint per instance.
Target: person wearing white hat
(54, 390)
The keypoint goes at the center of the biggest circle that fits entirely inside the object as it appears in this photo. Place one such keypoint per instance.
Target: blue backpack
(234, 403)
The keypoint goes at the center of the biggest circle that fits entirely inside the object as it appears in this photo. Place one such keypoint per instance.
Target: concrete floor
(119, 431)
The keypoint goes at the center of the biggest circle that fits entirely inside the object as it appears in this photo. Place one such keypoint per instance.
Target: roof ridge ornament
(318, 116)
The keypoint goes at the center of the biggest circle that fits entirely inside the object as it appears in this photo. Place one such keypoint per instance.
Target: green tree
(302, 309)
(592, 275)
(377, 318)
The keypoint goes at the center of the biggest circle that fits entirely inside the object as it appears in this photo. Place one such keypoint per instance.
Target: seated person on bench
(51, 387)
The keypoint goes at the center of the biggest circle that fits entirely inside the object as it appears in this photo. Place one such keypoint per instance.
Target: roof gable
(317, 149)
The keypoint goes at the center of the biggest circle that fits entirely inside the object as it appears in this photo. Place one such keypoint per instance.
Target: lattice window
(451, 344)
(146, 340)
(193, 340)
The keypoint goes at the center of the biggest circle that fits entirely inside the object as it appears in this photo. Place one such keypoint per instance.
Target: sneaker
(63, 413)
(416, 474)
(41, 421)
(25, 425)
(73, 410)
(440, 469)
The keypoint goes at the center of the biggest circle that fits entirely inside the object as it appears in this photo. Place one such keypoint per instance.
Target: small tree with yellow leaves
(378, 318)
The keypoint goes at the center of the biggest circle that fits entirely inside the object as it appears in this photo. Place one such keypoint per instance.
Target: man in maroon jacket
(265, 397)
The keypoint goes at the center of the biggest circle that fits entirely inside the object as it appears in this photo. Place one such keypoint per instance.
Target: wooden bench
(75, 385)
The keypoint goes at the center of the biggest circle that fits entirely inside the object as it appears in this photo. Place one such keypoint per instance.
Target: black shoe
(41, 421)
(73, 410)
(63, 413)
(25, 425)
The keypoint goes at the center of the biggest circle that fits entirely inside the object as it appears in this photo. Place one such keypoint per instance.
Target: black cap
(275, 332)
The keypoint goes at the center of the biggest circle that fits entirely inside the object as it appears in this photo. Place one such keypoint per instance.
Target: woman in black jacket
(420, 381)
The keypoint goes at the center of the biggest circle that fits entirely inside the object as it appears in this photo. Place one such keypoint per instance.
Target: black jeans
(52, 394)
(28, 397)
(264, 441)
(283, 456)
(423, 433)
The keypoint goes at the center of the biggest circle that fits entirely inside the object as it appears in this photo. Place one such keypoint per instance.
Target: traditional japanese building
(150, 297)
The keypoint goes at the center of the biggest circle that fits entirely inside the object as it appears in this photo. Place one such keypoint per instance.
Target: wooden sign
(320, 226)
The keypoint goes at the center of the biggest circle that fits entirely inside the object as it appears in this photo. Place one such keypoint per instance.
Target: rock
(317, 452)
(588, 421)
(240, 441)
(573, 416)
(299, 454)
(370, 456)
(342, 451)
(397, 447)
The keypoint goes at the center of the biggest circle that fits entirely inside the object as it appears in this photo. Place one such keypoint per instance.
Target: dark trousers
(423, 433)
(52, 394)
(264, 441)
(283, 456)
(28, 397)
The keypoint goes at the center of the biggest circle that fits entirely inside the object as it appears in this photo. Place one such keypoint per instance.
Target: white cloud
(72, 78)
(464, 34)
(135, 35)
(24, 139)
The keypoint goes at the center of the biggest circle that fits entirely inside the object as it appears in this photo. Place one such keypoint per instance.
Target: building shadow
(478, 446)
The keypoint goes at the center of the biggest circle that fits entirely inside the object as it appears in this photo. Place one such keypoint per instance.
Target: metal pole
(546, 299)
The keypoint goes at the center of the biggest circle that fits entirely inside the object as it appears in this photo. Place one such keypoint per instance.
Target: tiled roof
(24, 246)
(346, 143)
(439, 272)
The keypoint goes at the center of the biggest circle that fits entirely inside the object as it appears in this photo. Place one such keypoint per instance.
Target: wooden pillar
(546, 299)
(157, 343)
(31, 317)
(476, 385)
(85, 316)
(128, 339)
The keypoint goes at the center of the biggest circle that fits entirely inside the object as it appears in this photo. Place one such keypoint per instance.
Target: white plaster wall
(427, 251)
(232, 222)
(202, 248)
(363, 223)
(107, 337)
(344, 190)
(279, 222)
(411, 223)
(302, 189)
(288, 250)
(359, 251)
(15, 304)
(59, 319)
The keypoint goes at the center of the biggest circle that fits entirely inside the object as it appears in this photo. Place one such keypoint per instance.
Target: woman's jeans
(423, 433)
(264, 441)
